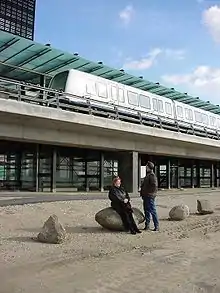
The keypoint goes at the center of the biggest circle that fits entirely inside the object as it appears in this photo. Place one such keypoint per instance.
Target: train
(79, 86)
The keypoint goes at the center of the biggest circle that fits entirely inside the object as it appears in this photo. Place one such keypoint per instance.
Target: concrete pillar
(139, 171)
(18, 160)
(37, 169)
(178, 175)
(53, 171)
(198, 185)
(168, 174)
(128, 171)
(102, 172)
(192, 174)
(212, 176)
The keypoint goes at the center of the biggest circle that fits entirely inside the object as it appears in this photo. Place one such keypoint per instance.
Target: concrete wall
(32, 123)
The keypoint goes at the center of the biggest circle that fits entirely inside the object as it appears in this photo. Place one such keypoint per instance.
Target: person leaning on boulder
(148, 193)
(120, 202)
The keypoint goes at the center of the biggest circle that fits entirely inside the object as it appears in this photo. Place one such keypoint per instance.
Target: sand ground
(184, 257)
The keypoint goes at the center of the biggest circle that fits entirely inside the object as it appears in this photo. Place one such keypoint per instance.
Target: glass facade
(17, 17)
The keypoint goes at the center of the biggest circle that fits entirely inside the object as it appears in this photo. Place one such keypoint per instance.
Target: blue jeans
(150, 209)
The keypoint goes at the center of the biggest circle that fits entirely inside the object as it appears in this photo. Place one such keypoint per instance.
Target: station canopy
(28, 61)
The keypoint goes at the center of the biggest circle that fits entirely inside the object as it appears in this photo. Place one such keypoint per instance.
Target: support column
(198, 185)
(53, 171)
(102, 159)
(139, 171)
(128, 171)
(212, 176)
(18, 169)
(192, 175)
(168, 174)
(86, 175)
(37, 169)
(178, 175)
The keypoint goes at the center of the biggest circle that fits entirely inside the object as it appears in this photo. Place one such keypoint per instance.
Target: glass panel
(59, 81)
(102, 90)
(110, 171)
(198, 117)
(179, 111)
(155, 105)
(205, 119)
(132, 98)
(114, 93)
(160, 106)
(121, 97)
(168, 108)
(145, 102)
(91, 88)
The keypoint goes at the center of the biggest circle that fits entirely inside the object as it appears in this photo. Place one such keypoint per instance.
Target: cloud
(203, 81)
(151, 58)
(143, 63)
(126, 14)
(211, 19)
(175, 54)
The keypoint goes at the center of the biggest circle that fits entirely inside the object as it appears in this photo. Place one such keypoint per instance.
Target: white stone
(179, 212)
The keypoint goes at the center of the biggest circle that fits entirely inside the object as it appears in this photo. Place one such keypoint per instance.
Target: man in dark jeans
(148, 193)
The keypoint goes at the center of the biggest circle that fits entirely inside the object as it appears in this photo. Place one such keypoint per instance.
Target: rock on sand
(108, 218)
(204, 207)
(52, 232)
(179, 212)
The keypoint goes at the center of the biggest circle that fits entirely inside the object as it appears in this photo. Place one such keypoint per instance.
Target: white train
(130, 100)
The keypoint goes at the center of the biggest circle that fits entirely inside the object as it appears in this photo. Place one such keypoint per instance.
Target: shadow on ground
(77, 230)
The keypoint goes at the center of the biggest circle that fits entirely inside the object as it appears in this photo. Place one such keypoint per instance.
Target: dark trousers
(150, 209)
(125, 213)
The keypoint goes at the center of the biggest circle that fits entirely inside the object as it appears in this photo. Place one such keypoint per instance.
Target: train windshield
(58, 82)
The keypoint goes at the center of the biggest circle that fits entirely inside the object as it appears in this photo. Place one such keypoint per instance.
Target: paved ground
(20, 198)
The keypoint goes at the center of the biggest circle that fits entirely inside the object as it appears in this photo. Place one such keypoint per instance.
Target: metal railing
(35, 94)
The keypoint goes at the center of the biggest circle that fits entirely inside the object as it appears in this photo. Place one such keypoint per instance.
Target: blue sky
(174, 42)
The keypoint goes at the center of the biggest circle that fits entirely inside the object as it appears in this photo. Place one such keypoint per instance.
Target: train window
(114, 94)
(179, 111)
(168, 108)
(189, 114)
(91, 88)
(198, 117)
(121, 97)
(155, 105)
(205, 119)
(212, 121)
(102, 90)
(145, 102)
(132, 98)
(160, 106)
(59, 81)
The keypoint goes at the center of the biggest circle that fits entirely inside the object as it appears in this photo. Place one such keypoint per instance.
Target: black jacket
(149, 186)
(118, 194)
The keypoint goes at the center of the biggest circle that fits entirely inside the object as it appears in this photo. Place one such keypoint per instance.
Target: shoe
(138, 231)
(133, 232)
(156, 229)
(146, 228)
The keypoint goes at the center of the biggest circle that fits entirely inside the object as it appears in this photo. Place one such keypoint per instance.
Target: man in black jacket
(148, 193)
(120, 202)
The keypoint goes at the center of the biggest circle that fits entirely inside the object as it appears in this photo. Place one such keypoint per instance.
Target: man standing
(148, 193)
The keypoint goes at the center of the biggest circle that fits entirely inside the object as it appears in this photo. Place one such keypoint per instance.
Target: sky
(174, 42)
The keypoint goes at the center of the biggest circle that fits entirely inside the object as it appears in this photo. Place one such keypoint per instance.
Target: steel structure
(17, 17)
(29, 61)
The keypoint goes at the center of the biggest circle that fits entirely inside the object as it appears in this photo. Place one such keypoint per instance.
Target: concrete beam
(33, 123)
